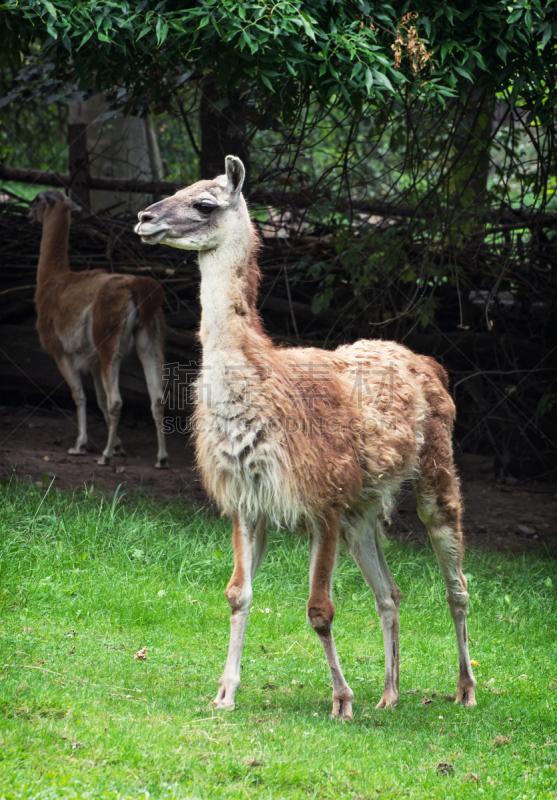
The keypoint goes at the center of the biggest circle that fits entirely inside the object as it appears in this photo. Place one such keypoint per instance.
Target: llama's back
(404, 404)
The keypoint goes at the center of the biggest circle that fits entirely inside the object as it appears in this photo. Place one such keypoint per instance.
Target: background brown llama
(90, 320)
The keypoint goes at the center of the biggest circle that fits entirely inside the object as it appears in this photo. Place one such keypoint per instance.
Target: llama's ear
(72, 205)
(235, 173)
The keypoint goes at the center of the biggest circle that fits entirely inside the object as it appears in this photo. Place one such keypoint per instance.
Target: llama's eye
(205, 207)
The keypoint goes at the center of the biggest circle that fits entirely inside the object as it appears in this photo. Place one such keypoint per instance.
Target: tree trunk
(222, 130)
(118, 147)
(470, 167)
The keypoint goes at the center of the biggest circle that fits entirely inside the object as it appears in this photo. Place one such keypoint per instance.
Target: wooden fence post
(79, 165)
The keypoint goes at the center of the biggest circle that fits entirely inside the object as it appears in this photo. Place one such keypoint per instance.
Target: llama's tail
(149, 297)
(439, 370)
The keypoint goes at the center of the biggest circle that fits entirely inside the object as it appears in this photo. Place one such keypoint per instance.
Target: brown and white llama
(88, 322)
(310, 439)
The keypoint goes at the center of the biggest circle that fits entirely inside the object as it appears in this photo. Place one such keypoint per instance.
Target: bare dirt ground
(33, 445)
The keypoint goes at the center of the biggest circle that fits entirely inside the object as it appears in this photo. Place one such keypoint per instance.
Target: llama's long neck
(230, 324)
(53, 258)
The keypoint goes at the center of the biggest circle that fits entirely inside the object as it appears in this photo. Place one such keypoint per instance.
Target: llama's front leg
(366, 550)
(73, 379)
(323, 546)
(250, 545)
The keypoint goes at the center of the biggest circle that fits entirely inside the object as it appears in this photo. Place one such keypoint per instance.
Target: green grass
(85, 583)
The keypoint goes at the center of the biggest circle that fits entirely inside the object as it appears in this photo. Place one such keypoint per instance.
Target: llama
(87, 321)
(310, 439)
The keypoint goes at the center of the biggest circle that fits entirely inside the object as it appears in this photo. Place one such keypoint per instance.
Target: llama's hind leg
(323, 546)
(73, 378)
(364, 542)
(250, 546)
(110, 373)
(101, 400)
(439, 507)
(148, 344)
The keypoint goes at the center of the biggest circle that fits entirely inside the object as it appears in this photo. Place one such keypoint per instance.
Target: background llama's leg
(439, 507)
(364, 542)
(73, 379)
(101, 400)
(149, 350)
(250, 546)
(110, 374)
(323, 545)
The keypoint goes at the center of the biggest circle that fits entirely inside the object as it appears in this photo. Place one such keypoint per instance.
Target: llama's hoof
(389, 699)
(162, 463)
(77, 451)
(225, 698)
(466, 697)
(104, 461)
(342, 709)
(224, 706)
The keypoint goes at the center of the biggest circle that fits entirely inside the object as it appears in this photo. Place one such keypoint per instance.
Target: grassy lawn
(85, 583)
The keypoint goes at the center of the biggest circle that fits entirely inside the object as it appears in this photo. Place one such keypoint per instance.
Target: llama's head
(199, 217)
(48, 201)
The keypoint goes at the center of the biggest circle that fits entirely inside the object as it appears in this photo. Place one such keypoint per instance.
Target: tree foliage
(293, 51)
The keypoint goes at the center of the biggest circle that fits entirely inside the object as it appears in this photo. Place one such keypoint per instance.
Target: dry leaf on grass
(252, 762)
(444, 768)
(499, 740)
(474, 663)
(141, 655)
(426, 701)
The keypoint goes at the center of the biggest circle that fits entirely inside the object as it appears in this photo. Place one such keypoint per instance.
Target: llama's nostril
(145, 216)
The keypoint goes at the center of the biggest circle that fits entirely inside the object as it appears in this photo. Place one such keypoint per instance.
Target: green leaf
(380, 77)
(514, 16)
(464, 74)
(369, 80)
(321, 301)
(161, 30)
(502, 51)
(50, 8)
(358, 66)
(546, 36)
(306, 22)
(479, 58)
(266, 81)
(86, 38)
